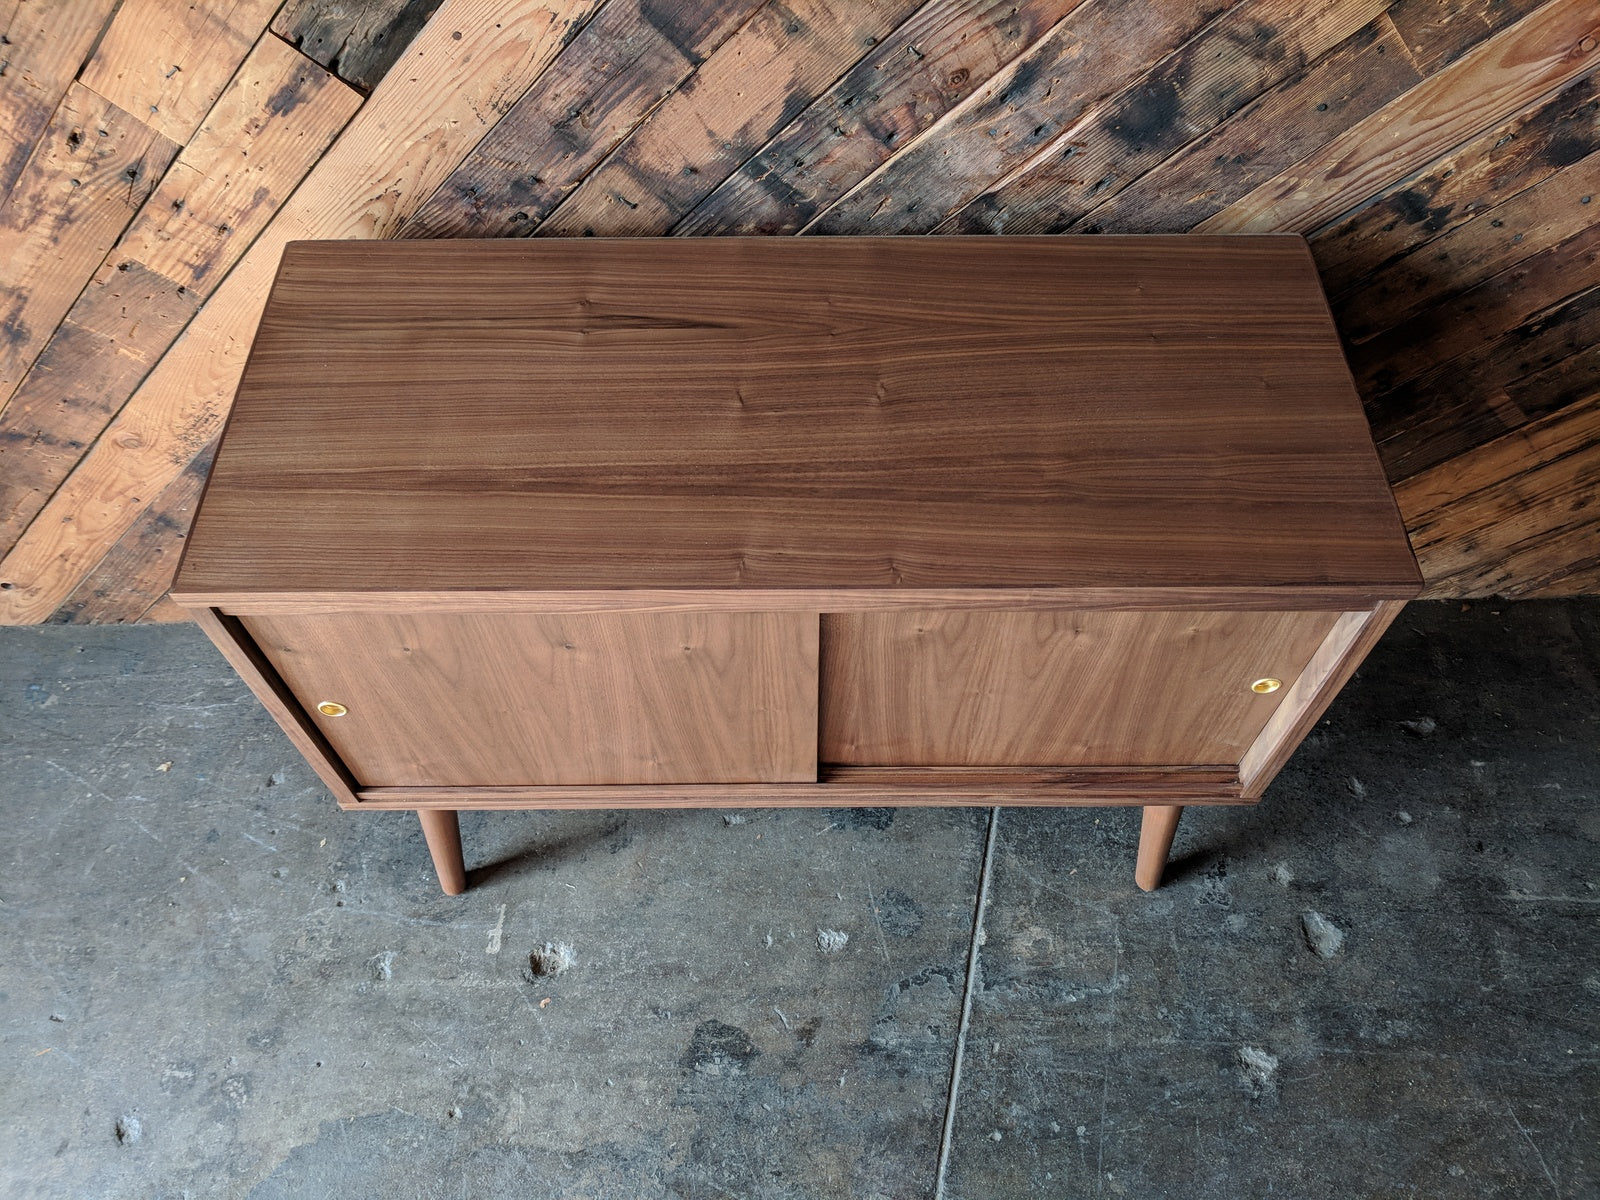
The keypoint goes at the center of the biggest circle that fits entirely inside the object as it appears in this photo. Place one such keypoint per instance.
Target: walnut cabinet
(592, 523)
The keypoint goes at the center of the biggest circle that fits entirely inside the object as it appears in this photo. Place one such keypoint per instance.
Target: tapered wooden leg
(1155, 840)
(443, 831)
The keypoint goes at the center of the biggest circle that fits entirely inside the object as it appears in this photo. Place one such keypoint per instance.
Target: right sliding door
(1061, 688)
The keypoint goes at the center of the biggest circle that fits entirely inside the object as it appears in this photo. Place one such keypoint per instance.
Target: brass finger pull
(1266, 686)
(332, 708)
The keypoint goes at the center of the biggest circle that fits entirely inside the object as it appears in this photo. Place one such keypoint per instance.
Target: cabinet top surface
(839, 415)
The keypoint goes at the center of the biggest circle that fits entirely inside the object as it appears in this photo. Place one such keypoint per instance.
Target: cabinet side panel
(230, 636)
(1349, 641)
(510, 699)
(1079, 688)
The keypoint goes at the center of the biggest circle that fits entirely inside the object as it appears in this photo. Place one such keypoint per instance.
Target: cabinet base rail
(847, 787)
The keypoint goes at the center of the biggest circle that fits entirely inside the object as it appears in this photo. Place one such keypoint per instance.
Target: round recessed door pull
(1265, 687)
(332, 708)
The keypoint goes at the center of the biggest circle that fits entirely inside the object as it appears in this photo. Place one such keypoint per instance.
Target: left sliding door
(452, 699)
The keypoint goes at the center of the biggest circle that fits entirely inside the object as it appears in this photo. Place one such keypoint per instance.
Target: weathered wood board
(1497, 78)
(623, 64)
(1515, 515)
(1202, 83)
(42, 45)
(270, 125)
(933, 62)
(740, 98)
(167, 61)
(357, 42)
(89, 174)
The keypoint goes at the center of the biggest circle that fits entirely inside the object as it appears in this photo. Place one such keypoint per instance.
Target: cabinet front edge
(1295, 598)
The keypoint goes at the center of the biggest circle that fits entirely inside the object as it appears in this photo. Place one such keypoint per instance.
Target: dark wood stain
(753, 374)
(357, 42)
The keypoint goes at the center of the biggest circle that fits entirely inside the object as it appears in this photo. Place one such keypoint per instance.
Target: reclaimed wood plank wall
(1442, 157)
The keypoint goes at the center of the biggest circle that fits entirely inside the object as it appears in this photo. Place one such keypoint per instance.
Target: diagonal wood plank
(1443, 493)
(1480, 521)
(1459, 405)
(167, 61)
(1573, 379)
(356, 42)
(92, 170)
(1539, 54)
(42, 45)
(1189, 92)
(1015, 116)
(1443, 334)
(748, 90)
(261, 137)
(937, 59)
(118, 329)
(1272, 132)
(271, 125)
(137, 572)
(624, 63)
(1506, 159)
(1437, 32)
(1567, 564)
(465, 69)
(1560, 206)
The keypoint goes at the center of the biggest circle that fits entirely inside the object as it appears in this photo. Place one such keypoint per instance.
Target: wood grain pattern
(90, 173)
(273, 122)
(1580, 578)
(167, 61)
(761, 380)
(1509, 158)
(930, 64)
(1016, 116)
(1544, 51)
(1499, 385)
(1487, 519)
(620, 67)
(1566, 382)
(1544, 215)
(1560, 563)
(408, 137)
(1268, 135)
(445, 699)
(1189, 92)
(1427, 343)
(269, 127)
(42, 45)
(1077, 689)
(1307, 697)
(739, 98)
(138, 572)
(357, 42)
(118, 328)
(1437, 32)
(853, 787)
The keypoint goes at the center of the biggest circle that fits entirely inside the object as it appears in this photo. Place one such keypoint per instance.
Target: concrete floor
(213, 983)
